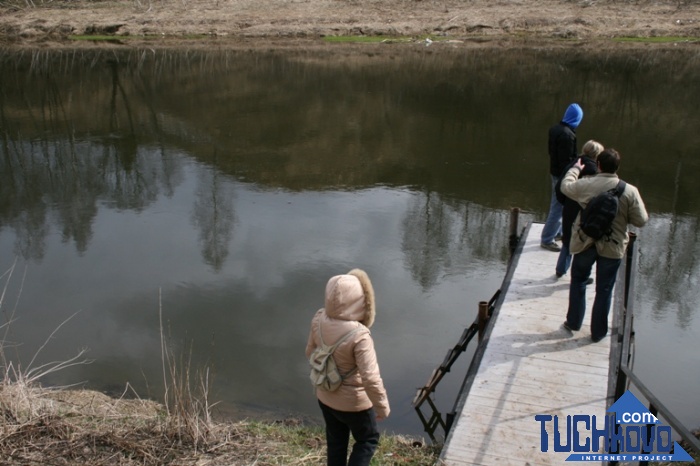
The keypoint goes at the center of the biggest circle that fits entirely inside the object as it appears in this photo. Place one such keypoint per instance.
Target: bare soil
(253, 22)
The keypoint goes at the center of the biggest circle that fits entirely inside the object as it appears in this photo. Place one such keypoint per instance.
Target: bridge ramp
(530, 366)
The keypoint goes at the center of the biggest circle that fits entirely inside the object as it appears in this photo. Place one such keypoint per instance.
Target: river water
(199, 201)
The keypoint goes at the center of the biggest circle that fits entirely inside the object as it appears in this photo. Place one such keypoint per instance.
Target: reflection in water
(426, 240)
(237, 182)
(440, 234)
(251, 315)
(214, 217)
(64, 182)
(301, 120)
(669, 263)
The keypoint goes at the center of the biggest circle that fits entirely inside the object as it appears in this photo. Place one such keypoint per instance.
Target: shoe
(559, 275)
(558, 238)
(590, 281)
(551, 246)
(567, 329)
(596, 340)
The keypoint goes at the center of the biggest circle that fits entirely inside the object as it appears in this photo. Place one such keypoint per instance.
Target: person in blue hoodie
(562, 151)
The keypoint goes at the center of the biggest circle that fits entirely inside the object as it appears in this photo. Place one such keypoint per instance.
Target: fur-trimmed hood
(351, 297)
(350, 306)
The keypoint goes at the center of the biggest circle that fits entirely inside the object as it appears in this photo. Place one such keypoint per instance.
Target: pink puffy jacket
(350, 304)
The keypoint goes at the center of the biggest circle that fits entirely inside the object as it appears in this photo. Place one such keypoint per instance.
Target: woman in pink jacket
(361, 400)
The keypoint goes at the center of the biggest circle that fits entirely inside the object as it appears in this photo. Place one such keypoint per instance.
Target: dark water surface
(218, 191)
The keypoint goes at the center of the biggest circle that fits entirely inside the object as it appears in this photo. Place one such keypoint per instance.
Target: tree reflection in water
(446, 142)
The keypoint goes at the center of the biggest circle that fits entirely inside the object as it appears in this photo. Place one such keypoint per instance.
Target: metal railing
(622, 375)
(435, 419)
(482, 326)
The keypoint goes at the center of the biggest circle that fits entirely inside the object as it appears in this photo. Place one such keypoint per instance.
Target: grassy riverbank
(81, 427)
(84, 427)
(257, 23)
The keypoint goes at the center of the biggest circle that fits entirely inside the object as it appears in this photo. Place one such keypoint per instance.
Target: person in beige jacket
(607, 252)
(361, 400)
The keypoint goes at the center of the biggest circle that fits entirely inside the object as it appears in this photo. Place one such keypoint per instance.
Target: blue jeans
(552, 226)
(339, 425)
(564, 260)
(606, 274)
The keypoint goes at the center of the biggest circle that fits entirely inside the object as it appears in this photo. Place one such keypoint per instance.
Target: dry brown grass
(687, 448)
(79, 427)
(261, 23)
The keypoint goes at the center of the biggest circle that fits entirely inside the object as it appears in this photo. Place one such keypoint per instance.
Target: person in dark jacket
(562, 151)
(571, 208)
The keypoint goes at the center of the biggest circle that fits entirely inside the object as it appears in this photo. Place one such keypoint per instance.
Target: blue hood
(573, 116)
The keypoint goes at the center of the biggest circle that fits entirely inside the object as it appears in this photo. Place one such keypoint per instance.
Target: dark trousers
(606, 273)
(339, 425)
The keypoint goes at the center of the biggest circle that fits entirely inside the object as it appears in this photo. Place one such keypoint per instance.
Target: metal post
(627, 330)
(483, 318)
(630, 261)
(513, 236)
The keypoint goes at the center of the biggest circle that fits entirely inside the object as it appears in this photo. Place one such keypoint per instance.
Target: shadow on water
(239, 181)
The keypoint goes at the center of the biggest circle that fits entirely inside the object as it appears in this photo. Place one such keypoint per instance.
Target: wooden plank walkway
(529, 367)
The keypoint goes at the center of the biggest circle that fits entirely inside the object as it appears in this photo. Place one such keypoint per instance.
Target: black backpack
(597, 217)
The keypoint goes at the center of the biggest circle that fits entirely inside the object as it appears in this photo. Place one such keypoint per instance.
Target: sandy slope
(295, 19)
